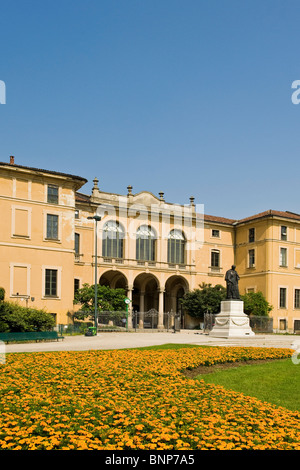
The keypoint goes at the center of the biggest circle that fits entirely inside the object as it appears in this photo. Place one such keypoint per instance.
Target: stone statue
(232, 279)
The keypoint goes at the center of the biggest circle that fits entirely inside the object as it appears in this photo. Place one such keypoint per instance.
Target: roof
(83, 198)
(80, 197)
(271, 213)
(58, 173)
(219, 220)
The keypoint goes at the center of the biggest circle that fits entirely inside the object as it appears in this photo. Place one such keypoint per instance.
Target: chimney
(11, 160)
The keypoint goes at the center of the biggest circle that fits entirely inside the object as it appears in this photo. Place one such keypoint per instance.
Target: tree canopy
(107, 300)
(256, 304)
(205, 299)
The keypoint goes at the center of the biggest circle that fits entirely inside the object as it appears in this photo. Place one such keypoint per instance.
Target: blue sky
(188, 97)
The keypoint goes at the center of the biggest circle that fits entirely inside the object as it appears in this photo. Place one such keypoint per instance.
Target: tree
(256, 304)
(107, 300)
(205, 299)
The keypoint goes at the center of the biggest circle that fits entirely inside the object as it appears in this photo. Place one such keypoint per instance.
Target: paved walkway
(132, 340)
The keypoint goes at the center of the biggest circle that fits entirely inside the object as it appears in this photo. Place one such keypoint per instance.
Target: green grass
(276, 382)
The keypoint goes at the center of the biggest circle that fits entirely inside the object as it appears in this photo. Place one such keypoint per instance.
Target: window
(297, 298)
(77, 246)
(76, 285)
(52, 226)
(145, 244)
(51, 282)
(176, 247)
(215, 259)
(112, 241)
(282, 324)
(296, 326)
(215, 233)
(283, 232)
(282, 297)
(76, 214)
(283, 257)
(251, 255)
(52, 195)
(251, 235)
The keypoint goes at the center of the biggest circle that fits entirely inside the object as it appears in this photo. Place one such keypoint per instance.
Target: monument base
(232, 322)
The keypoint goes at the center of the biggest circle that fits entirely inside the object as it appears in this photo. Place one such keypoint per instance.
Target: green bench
(30, 336)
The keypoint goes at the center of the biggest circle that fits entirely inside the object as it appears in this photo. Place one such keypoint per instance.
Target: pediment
(145, 198)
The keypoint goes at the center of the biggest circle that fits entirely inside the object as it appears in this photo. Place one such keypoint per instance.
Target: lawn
(137, 399)
(276, 382)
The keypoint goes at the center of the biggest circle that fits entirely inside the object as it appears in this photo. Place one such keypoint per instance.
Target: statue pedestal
(232, 322)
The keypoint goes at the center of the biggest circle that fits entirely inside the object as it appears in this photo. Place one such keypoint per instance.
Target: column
(142, 309)
(160, 325)
(129, 295)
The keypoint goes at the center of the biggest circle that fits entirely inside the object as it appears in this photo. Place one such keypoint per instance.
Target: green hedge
(13, 317)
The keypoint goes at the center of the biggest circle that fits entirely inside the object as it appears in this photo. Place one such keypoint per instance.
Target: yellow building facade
(155, 250)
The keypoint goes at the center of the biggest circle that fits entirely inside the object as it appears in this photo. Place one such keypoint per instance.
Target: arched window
(112, 240)
(176, 247)
(145, 243)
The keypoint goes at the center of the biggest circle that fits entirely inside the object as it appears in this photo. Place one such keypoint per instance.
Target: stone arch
(114, 279)
(145, 292)
(175, 288)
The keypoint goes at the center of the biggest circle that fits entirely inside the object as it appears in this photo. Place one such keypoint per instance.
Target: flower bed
(135, 399)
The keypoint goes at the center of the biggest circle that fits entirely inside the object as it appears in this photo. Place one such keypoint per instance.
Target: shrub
(256, 304)
(13, 317)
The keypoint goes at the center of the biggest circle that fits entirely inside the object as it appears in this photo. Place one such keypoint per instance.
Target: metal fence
(112, 320)
(257, 324)
(122, 321)
(149, 320)
(107, 320)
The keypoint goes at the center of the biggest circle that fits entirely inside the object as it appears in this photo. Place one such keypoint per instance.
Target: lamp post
(97, 219)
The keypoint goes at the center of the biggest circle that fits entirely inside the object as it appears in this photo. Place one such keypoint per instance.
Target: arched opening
(176, 287)
(110, 319)
(145, 301)
(114, 280)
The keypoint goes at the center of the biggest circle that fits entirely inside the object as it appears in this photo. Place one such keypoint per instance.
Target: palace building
(155, 250)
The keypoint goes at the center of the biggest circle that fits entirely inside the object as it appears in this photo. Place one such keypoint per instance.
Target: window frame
(251, 235)
(59, 278)
(281, 250)
(145, 245)
(176, 247)
(115, 247)
(281, 290)
(53, 196)
(283, 236)
(212, 260)
(218, 235)
(49, 227)
(76, 288)
(50, 271)
(77, 245)
(251, 254)
(297, 291)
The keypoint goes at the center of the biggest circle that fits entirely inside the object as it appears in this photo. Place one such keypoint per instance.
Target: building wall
(271, 271)
(27, 253)
(213, 244)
